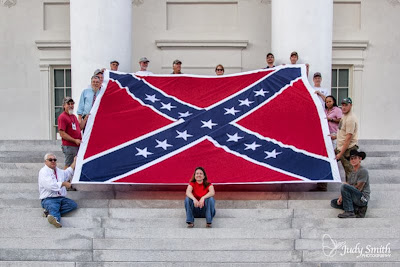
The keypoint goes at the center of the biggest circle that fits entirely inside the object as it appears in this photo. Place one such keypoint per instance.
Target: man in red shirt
(70, 131)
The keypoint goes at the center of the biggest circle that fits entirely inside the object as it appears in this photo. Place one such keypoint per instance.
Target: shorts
(69, 153)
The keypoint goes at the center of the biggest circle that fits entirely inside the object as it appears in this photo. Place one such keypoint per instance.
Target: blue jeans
(351, 197)
(208, 211)
(56, 206)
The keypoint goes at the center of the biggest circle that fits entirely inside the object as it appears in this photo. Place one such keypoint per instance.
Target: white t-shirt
(322, 91)
(143, 73)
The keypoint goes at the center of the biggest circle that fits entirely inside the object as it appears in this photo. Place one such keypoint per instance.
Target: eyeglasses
(219, 69)
(52, 160)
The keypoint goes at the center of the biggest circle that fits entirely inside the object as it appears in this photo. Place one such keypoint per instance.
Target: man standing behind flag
(70, 131)
(144, 64)
(270, 61)
(294, 57)
(347, 136)
(176, 67)
(321, 92)
(114, 65)
(88, 97)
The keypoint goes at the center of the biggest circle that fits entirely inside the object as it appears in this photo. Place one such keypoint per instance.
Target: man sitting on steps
(354, 194)
(53, 184)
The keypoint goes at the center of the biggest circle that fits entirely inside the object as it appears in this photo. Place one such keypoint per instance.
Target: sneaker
(52, 220)
(45, 213)
(347, 214)
(360, 211)
(208, 225)
(190, 225)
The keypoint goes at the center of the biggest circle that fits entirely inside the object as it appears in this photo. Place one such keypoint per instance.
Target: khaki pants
(345, 160)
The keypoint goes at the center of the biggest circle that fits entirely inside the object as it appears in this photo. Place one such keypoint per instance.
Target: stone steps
(184, 264)
(264, 224)
(121, 225)
(379, 199)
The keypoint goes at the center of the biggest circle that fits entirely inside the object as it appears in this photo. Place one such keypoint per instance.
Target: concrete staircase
(277, 225)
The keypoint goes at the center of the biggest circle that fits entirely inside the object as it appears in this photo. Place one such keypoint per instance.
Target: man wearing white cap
(321, 92)
(144, 63)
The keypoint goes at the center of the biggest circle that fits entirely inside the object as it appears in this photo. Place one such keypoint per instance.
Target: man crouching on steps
(53, 184)
(354, 194)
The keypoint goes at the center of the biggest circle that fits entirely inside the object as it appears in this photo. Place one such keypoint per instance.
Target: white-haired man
(144, 64)
(53, 184)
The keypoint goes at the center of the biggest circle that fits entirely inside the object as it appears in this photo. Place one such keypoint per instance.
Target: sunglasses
(219, 69)
(52, 160)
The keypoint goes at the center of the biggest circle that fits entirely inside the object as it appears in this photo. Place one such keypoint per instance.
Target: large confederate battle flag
(263, 126)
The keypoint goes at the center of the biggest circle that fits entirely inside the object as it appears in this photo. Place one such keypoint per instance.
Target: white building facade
(50, 48)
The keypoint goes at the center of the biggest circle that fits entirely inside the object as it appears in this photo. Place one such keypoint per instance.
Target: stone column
(101, 31)
(305, 27)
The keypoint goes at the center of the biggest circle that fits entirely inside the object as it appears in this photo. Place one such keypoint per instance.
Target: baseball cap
(97, 72)
(317, 74)
(294, 53)
(67, 99)
(347, 101)
(144, 59)
(114, 61)
(177, 61)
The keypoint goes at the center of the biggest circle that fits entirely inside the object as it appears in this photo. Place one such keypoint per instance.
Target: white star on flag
(151, 98)
(184, 135)
(272, 154)
(245, 102)
(261, 92)
(251, 146)
(231, 110)
(164, 145)
(184, 115)
(143, 152)
(208, 124)
(234, 138)
(167, 106)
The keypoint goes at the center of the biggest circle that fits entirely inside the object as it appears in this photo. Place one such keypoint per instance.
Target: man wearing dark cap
(356, 192)
(143, 63)
(347, 135)
(270, 60)
(294, 57)
(176, 67)
(114, 65)
(70, 131)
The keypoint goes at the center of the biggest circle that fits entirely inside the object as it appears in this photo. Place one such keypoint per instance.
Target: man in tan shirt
(347, 135)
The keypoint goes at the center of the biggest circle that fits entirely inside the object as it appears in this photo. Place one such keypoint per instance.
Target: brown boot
(360, 211)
